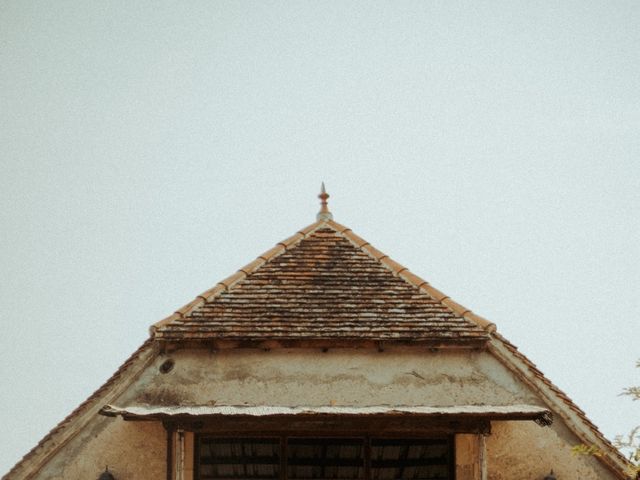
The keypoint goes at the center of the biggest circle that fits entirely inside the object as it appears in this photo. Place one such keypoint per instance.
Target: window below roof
(323, 458)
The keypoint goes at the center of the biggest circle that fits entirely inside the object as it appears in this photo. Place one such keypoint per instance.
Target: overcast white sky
(149, 149)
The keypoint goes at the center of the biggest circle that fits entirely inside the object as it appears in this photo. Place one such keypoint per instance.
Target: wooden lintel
(333, 425)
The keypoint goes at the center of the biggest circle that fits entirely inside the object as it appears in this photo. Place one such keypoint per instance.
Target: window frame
(283, 446)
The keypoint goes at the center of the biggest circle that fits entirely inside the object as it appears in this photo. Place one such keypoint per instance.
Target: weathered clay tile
(291, 240)
(249, 268)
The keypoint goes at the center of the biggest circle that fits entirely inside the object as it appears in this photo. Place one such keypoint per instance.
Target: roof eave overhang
(256, 419)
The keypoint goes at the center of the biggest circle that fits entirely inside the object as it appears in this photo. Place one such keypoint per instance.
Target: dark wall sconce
(106, 475)
(551, 476)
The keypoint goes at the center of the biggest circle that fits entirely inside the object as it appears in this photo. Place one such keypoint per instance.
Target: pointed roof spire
(324, 214)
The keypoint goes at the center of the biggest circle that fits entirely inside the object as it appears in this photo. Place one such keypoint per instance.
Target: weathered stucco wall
(337, 377)
(524, 450)
(132, 450)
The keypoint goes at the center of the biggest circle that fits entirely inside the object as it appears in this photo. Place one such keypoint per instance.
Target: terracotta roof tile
(272, 252)
(197, 302)
(217, 289)
(455, 306)
(412, 278)
(481, 321)
(374, 252)
(233, 279)
(394, 266)
(327, 284)
(250, 267)
(434, 292)
(355, 239)
(338, 227)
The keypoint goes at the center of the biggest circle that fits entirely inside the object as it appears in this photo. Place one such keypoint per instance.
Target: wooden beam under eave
(317, 425)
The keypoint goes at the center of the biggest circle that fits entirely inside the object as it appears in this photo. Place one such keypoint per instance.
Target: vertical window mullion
(452, 457)
(367, 458)
(283, 458)
(196, 456)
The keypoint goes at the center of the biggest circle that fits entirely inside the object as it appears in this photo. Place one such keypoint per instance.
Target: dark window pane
(239, 458)
(325, 458)
(419, 459)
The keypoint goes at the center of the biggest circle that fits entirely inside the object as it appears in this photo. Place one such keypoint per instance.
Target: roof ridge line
(242, 273)
(411, 278)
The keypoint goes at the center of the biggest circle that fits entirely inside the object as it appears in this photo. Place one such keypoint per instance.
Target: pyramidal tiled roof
(324, 284)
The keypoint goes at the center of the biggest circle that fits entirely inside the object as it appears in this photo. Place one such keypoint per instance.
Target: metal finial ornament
(324, 214)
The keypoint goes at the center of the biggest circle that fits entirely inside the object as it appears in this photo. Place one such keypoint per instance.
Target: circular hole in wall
(167, 366)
